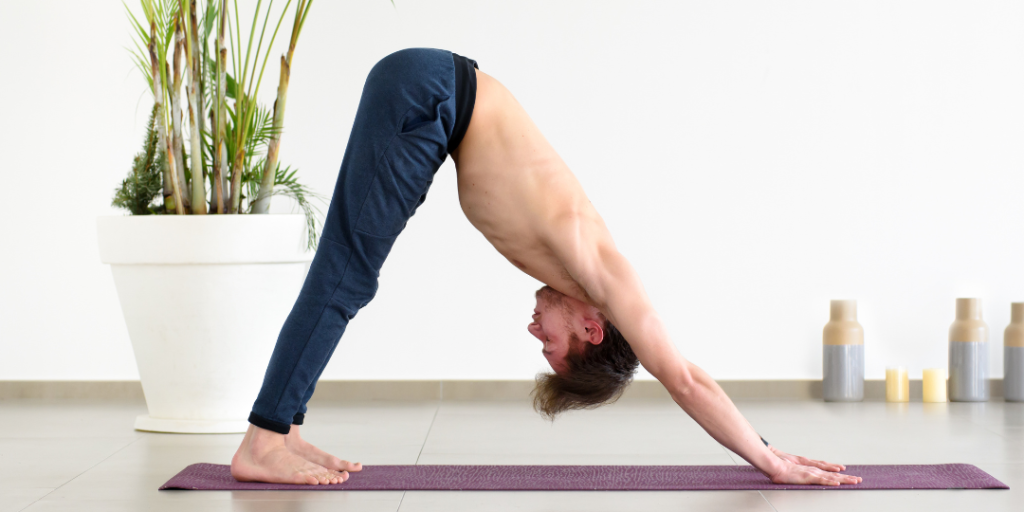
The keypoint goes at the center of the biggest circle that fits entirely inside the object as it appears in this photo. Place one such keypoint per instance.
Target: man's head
(593, 363)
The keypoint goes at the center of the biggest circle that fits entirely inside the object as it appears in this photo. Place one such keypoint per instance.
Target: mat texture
(593, 478)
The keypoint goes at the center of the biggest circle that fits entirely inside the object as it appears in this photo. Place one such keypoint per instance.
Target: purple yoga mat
(592, 478)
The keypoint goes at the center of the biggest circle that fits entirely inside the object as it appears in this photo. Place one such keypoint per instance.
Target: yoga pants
(415, 107)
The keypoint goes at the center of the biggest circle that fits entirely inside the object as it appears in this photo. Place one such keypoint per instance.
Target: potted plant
(205, 278)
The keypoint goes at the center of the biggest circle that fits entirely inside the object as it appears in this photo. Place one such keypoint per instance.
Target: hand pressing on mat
(804, 461)
(793, 473)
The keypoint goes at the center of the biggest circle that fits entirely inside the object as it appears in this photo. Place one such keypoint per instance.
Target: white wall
(753, 159)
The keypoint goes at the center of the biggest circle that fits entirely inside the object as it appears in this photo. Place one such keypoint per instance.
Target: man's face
(554, 323)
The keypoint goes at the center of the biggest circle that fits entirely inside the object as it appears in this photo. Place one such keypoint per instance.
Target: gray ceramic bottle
(843, 354)
(968, 354)
(1013, 355)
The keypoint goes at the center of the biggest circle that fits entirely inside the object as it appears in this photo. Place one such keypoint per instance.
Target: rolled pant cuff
(298, 419)
(271, 425)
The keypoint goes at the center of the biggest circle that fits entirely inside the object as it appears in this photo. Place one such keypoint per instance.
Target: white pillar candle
(897, 385)
(934, 385)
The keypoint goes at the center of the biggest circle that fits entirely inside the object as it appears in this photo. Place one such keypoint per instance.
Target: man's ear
(594, 331)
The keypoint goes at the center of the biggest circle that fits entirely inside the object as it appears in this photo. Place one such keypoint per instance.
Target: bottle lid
(968, 309)
(843, 328)
(1013, 336)
(968, 327)
(843, 310)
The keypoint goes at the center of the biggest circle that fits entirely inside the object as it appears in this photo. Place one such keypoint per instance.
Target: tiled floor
(79, 456)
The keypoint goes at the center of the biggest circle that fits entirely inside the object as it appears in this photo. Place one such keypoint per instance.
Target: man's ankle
(264, 436)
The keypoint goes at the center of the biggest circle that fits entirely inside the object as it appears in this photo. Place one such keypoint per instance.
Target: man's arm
(613, 286)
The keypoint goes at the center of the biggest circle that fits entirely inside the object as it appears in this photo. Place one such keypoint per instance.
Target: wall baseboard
(71, 389)
(454, 390)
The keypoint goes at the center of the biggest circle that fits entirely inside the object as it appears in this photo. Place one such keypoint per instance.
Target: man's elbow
(684, 384)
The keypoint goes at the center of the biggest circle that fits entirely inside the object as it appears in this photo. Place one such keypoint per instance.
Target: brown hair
(597, 375)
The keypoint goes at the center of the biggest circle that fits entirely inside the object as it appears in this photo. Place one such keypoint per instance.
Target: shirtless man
(418, 106)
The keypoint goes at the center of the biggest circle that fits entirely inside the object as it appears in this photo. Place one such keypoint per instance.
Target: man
(418, 106)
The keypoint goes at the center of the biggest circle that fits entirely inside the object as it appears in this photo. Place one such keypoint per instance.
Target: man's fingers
(820, 464)
(813, 475)
(851, 480)
(830, 478)
(825, 479)
(840, 479)
(804, 461)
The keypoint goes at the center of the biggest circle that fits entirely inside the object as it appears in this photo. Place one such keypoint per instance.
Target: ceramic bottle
(968, 354)
(843, 354)
(1013, 355)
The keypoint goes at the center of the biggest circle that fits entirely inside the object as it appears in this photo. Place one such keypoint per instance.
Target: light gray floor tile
(524, 408)
(27, 463)
(894, 443)
(577, 433)
(13, 500)
(346, 501)
(69, 418)
(138, 471)
(363, 432)
(105, 465)
(930, 500)
(399, 454)
(647, 501)
(342, 497)
(883, 433)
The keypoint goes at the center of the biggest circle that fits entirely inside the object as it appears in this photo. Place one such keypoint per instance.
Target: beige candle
(934, 385)
(897, 385)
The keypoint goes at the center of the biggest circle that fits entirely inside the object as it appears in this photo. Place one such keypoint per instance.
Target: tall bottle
(1013, 355)
(843, 354)
(968, 354)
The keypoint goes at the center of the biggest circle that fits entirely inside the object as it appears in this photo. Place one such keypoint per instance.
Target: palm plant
(232, 140)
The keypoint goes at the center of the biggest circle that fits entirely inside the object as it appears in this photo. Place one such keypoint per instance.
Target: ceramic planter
(204, 297)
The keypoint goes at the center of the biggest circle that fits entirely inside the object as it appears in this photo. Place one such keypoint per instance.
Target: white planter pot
(204, 298)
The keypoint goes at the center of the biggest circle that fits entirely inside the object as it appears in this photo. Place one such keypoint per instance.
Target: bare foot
(263, 457)
(300, 447)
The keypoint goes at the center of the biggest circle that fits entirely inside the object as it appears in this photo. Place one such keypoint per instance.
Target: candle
(897, 385)
(934, 385)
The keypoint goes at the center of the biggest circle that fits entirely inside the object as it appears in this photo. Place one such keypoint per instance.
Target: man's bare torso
(518, 192)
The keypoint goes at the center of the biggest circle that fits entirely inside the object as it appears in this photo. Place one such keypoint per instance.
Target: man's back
(518, 192)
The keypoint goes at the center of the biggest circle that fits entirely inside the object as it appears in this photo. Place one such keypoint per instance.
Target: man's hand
(801, 470)
(804, 461)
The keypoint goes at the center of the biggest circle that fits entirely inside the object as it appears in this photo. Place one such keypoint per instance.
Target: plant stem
(175, 103)
(195, 116)
(262, 204)
(162, 123)
(220, 118)
(237, 166)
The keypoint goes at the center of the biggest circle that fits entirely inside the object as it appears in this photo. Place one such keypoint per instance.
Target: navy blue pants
(401, 135)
